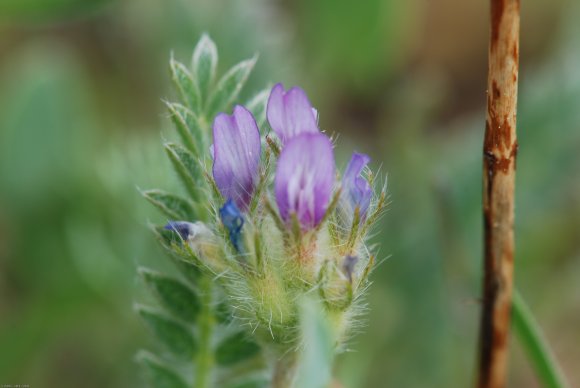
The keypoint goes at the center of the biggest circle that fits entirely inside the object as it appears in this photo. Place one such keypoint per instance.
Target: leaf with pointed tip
(175, 296)
(157, 374)
(187, 167)
(204, 63)
(174, 336)
(257, 105)
(229, 87)
(187, 126)
(173, 206)
(236, 348)
(164, 237)
(185, 85)
(188, 269)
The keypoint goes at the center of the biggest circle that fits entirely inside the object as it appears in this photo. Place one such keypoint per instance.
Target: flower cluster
(313, 239)
(270, 240)
(305, 172)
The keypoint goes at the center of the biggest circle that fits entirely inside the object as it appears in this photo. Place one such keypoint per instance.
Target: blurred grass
(80, 121)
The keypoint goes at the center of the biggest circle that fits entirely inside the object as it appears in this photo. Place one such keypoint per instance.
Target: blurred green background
(81, 123)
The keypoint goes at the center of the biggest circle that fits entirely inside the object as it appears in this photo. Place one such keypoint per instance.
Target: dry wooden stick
(499, 165)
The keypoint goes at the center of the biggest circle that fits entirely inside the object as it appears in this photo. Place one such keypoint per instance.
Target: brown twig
(499, 165)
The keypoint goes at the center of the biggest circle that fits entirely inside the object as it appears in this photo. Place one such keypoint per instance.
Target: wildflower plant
(270, 239)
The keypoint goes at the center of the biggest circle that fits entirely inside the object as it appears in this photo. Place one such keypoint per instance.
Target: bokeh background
(81, 124)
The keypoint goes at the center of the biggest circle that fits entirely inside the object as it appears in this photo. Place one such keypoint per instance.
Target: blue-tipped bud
(234, 221)
(183, 228)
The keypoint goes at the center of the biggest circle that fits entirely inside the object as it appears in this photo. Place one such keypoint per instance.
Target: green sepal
(204, 64)
(171, 205)
(157, 374)
(235, 348)
(174, 336)
(187, 168)
(174, 296)
(229, 87)
(185, 85)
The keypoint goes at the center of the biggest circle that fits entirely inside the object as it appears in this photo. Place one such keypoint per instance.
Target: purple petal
(290, 113)
(236, 152)
(356, 189)
(305, 178)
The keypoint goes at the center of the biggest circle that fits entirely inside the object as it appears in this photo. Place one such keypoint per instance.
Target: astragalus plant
(270, 237)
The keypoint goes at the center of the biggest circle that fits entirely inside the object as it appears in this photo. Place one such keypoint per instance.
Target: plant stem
(204, 359)
(499, 165)
(535, 345)
(285, 371)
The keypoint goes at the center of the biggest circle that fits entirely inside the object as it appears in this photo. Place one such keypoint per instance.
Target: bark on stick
(499, 165)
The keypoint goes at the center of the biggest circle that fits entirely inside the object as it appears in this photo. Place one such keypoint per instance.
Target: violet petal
(305, 178)
(236, 153)
(290, 113)
(356, 189)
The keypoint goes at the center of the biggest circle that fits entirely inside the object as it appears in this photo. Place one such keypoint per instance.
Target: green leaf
(236, 348)
(166, 238)
(157, 373)
(187, 167)
(175, 296)
(314, 368)
(173, 206)
(229, 87)
(174, 336)
(257, 105)
(254, 381)
(187, 126)
(223, 313)
(185, 85)
(188, 269)
(204, 63)
(535, 345)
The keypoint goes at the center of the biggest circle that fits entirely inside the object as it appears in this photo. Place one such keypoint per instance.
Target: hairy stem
(204, 359)
(285, 371)
(499, 165)
(536, 347)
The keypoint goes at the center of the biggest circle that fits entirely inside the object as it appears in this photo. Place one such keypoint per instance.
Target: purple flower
(305, 178)
(290, 113)
(236, 154)
(355, 188)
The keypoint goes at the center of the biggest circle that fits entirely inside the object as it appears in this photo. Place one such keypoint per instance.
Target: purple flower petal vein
(236, 149)
(305, 178)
